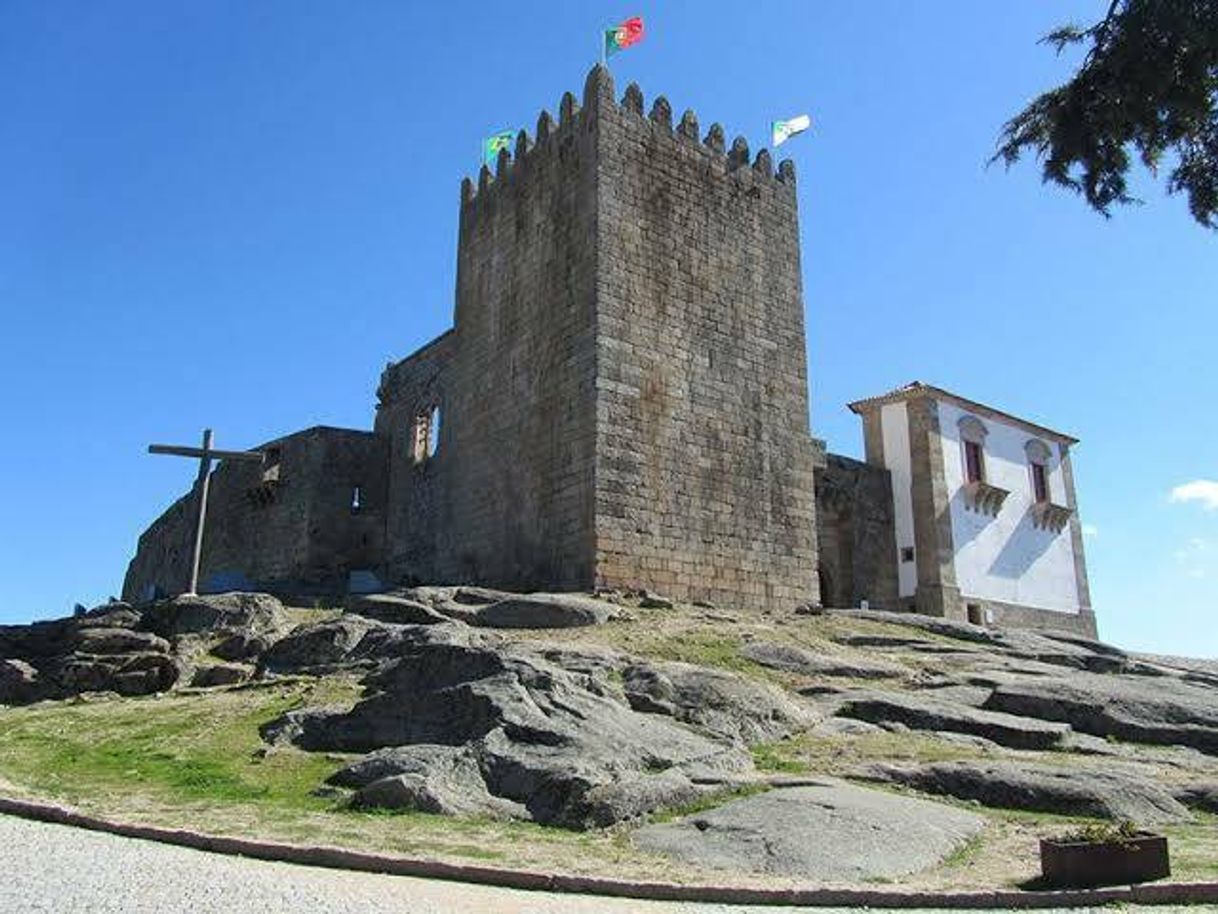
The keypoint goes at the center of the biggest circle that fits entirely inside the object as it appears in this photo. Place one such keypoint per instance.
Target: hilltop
(621, 734)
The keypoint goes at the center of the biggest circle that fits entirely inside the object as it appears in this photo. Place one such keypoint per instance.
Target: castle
(622, 402)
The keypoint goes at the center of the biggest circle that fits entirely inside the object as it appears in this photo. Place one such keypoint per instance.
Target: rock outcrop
(1136, 708)
(918, 711)
(1067, 791)
(475, 723)
(831, 833)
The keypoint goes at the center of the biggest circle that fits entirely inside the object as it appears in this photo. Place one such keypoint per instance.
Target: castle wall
(414, 514)
(286, 527)
(854, 522)
(704, 476)
(519, 432)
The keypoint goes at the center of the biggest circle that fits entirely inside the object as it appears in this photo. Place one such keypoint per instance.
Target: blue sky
(233, 214)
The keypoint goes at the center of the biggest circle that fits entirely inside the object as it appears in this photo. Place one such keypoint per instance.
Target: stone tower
(622, 401)
(624, 394)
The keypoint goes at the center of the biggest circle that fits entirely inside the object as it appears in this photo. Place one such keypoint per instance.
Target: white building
(984, 513)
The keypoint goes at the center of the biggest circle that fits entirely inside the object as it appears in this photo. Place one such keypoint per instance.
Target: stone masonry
(622, 402)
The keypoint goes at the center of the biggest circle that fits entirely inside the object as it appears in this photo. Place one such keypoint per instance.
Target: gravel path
(54, 868)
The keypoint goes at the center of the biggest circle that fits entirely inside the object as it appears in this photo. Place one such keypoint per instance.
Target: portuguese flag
(492, 144)
(620, 37)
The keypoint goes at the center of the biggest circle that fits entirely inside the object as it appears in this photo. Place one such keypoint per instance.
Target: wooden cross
(205, 455)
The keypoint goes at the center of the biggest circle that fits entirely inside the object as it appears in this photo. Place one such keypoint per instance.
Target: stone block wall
(519, 433)
(854, 522)
(414, 513)
(704, 457)
(287, 527)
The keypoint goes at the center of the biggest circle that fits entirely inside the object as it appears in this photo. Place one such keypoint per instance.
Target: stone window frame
(1040, 456)
(425, 433)
(980, 495)
(972, 434)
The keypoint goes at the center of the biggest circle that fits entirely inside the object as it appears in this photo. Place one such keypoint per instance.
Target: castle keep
(622, 402)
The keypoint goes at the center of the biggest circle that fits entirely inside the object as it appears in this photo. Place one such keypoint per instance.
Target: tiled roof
(917, 389)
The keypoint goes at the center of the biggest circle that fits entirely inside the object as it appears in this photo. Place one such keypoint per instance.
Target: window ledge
(985, 498)
(1048, 516)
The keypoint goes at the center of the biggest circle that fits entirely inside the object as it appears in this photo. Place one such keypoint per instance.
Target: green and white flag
(781, 131)
(492, 144)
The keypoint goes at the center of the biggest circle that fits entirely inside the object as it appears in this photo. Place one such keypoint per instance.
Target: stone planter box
(1080, 864)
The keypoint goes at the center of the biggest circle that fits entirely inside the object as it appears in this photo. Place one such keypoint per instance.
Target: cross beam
(205, 454)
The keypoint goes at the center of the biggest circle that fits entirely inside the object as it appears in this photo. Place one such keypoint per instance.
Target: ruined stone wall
(854, 520)
(408, 392)
(704, 463)
(287, 527)
(519, 411)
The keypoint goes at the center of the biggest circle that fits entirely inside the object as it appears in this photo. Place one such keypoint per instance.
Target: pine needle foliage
(1148, 86)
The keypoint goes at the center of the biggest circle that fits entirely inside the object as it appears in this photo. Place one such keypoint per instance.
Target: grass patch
(781, 757)
(195, 759)
(175, 749)
(709, 801)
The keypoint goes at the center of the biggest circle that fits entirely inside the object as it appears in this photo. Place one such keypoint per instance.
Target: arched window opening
(425, 435)
(1038, 466)
(972, 440)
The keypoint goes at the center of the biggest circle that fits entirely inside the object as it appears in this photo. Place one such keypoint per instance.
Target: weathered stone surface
(396, 609)
(545, 610)
(225, 612)
(118, 641)
(242, 646)
(830, 833)
(131, 674)
(321, 646)
(844, 726)
(716, 701)
(220, 674)
(1139, 709)
(19, 682)
(920, 712)
(798, 660)
(1068, 791)
(1199, 796)
(1077, 653)
(445, 780)
(543, 737)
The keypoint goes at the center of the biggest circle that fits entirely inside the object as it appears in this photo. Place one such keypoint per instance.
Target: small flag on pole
(623, 36)
(781, 131)
(492, 144)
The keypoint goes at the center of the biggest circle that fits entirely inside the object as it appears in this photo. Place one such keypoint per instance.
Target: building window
(972, 439)
(1038, 466)
(1040, 482)
(907, 554)
(271, 459)
(357, 499)
(425, 436)
(974, 463)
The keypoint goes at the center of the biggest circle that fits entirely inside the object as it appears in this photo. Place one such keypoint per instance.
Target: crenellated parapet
(599, 100)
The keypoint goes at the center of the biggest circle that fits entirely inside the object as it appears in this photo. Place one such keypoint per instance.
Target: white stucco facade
(1007, 557)
(894, 423)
